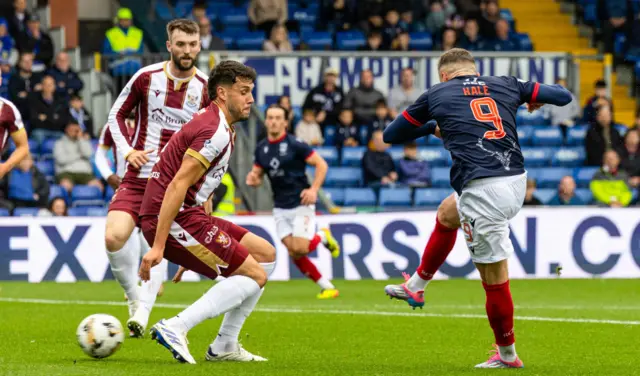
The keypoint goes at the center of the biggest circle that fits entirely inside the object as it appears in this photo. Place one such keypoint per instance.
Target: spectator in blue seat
(448, 41)
(369, 14)
(278, 40)
(402, 42)
(374, 42)
(68, 82)
(529, 198)
(26, 186)
(37, 41)
(347, 134)
(208, 40)
(438, 15)
(610, 185)
(72, 154)
(403, 95)
(18, 17)
(565, 117)
(391, 28)
(46, 112)
(598, 99)
(22, 83)
(411, 170)
(616, 16)
(566, 193)
(78, 113)
(602, 136)
(503, 40)
(120, 41)
(471, 39)
(631, 158)
(198, 11)
(326, 98)
(377, 165)
(337, 15)
(363, 98)
(490, 16)
(57, 208)
(265, 14)
(382, 118)
(308, 130)
(6, 41)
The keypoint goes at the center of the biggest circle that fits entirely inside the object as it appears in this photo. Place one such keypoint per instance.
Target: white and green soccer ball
(100, 335)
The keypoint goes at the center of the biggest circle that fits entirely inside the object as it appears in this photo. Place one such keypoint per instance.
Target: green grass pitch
(563, 327)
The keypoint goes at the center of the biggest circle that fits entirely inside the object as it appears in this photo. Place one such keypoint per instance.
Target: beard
(237, 114)
(178, 62)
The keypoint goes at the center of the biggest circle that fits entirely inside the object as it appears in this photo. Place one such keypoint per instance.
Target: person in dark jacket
(37, 41)
(377, 165)
(326, 98)
(76, 112)
(22, 83)
(413, 171)
(362, 99)
(598, 99)
(45, 112)
(18, 17)
(68, 82)
(529, 198)
(26, 186)
(602, 136)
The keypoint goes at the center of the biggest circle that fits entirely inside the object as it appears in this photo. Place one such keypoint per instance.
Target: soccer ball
(100, 335)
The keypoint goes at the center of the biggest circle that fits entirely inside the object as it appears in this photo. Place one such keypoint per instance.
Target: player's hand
(321, 116)
(437, 133)
(393, 176)
(114, 181)
(534, 106)
(309, 196)
(150, 259)
(139, 158)
(253, 179)
(178, 277)
(3, 170)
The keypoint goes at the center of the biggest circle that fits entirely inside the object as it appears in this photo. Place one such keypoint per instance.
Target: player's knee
(258, 274)
(114, 241)
(448, 213)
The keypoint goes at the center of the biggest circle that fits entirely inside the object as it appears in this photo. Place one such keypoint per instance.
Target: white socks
(325, 284)
(508, 353)
(323, 237)
(221, 298)
(124, 265)
(227, 339)
(415, 283)
(149, 290)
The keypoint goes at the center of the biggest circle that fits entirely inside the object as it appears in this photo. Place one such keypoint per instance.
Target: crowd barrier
(548, 242)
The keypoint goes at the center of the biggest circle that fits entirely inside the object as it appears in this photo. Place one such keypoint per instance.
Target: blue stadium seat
(434, 141)
(235, 17)
(434, 156)
(537, 157)
(525, 42)
(550, 177)
(303, 16)
(363, 134)
(251, 40)
(25, 212)
(108, 193)
(523, 117)
(335, 194)
(440, 177)
(398, 197)
(621, 128)
(577, 134)
(420, 41)
(430, 197)
(330, 135)
(318, 40)
(359, 197)
(545, 194)
(34, 147)
(352, 156)
(396, 152)
(4, 212)
(547, 137)
(229, 38)
(80, 211)
(47, 167)
(525, 135)
(97, 211)
(183, 8)
(294, 38)
(46, 148)
(344, 177)
(568, 157)
(329, 153)
(585, 195)
(583, 176)
(86, 195)
(57, 191)
(349, 40)
(619, 44)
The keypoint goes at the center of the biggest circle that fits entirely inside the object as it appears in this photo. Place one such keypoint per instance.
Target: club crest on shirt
(192, 100)
(223, 239)
(283, 149)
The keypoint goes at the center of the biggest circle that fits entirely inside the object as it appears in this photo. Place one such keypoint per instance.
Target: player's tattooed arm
(189, 174)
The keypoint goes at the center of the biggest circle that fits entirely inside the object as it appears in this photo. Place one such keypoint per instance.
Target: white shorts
(299, 222)
(485, 208)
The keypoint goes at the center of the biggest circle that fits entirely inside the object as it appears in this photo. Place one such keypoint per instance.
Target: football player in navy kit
(475, 117)
(284, 159)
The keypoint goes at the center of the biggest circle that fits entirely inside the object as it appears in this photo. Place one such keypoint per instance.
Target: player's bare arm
(254, 177)
(309, 196)
(190, 172)
(19, 138)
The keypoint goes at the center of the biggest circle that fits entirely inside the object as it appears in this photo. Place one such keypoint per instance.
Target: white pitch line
(333, 311)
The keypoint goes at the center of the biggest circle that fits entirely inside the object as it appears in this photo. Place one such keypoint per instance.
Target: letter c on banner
(576, 245)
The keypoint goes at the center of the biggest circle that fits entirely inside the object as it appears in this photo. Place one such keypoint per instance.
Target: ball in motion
(100, 335)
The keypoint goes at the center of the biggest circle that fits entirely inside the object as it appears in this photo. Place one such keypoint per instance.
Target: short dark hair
(227, 73)
(286, 112)
(188, 26)
(456, 56)
(411, 145)
(381, 103)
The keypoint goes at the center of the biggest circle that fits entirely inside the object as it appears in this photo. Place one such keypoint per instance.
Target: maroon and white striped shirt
(10, 121)
(163, 105)
(207, 138)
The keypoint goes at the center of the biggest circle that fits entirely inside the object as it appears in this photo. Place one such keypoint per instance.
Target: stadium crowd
(577, 155)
